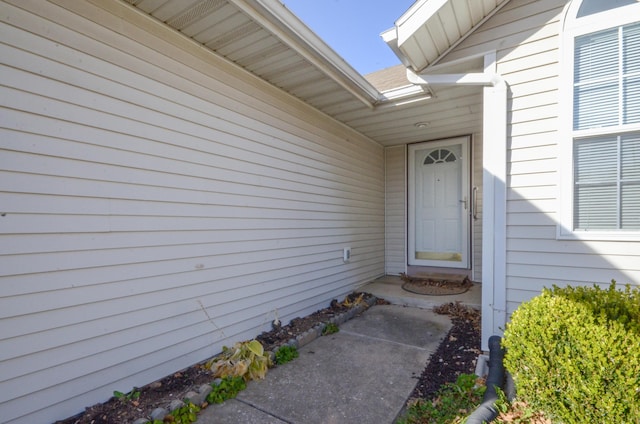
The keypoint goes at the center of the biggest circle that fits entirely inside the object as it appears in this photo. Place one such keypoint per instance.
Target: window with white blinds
(607, 182)
(607, 78)
(606, 95)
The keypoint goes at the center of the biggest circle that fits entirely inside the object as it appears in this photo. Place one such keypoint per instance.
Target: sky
(352, 28)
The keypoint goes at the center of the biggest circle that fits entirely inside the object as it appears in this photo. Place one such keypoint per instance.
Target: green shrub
(574, 353)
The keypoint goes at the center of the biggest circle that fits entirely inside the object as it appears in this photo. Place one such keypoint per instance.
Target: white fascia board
(390, 37)
(280, 21)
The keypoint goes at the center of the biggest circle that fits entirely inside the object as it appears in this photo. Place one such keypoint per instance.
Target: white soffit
(265, 38)
(431, 28)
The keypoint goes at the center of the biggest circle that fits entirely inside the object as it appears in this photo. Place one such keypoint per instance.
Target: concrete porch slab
(390, 288)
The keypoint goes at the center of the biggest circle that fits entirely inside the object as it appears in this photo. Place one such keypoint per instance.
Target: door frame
(465, 141)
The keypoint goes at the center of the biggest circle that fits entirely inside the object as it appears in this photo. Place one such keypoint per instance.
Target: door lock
(465, 202)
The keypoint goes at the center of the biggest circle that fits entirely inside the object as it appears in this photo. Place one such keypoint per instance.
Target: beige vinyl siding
(395, 210)
(526, 36)
(144, 181)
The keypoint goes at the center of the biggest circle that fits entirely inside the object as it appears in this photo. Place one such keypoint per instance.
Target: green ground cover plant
(186, 414)
(227, 388)
(452, 404)
(132, 396)
(286, 354)
(574, 353)
(330, 328)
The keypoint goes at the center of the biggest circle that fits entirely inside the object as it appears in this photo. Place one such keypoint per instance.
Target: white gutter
(494, 177)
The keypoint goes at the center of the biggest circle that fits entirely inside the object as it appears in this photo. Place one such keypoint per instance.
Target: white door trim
(465, 212)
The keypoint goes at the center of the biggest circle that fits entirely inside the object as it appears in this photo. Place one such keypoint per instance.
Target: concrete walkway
(362, 374)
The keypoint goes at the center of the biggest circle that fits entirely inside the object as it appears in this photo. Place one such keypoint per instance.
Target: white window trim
(572, 29)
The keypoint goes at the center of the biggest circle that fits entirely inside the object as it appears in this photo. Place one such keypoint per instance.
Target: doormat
(436, 285)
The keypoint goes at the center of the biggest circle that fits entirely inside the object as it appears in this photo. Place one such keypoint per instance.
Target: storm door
(439, 203)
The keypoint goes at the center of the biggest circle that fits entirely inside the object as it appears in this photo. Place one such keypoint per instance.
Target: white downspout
(494, 177)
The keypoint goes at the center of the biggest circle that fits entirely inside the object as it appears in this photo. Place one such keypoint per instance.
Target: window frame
(575, 27)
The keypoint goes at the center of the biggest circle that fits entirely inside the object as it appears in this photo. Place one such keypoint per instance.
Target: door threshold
(417, 271)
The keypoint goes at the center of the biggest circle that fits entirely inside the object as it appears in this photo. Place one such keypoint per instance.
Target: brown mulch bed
(176, 386)
(457, 354)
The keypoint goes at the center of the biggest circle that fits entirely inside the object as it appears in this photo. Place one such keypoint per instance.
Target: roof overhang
(274, 17)
(283, 50)
(265, 39)
(430, 29)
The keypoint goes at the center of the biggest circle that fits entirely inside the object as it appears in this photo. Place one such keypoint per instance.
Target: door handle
(475, 203)
(465, 202)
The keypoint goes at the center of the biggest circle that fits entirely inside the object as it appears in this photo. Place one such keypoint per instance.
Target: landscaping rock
(158, 414)
(175, 404)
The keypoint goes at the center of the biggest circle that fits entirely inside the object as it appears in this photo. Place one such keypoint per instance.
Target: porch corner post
(494, 225)
(494, 178)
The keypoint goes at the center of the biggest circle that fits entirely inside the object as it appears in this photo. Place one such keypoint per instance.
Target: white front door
(439, 203)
